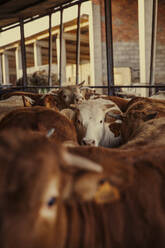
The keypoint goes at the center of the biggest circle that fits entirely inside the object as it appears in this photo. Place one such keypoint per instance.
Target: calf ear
(109, 188)
(95, 187)
(28, 102)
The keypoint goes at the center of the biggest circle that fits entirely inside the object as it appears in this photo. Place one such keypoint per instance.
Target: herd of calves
(82, 170)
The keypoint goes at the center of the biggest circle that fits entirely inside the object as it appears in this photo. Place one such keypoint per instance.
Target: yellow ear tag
(106, 193)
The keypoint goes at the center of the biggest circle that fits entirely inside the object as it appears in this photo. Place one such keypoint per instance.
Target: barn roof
(12, 10)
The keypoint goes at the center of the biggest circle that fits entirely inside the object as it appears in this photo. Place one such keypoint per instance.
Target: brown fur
(54, 99)
(24, 173)
(48, 101)
(115, 128)
(137, 219)
(144, 100)
(139, 112)
(120, 102)
(148, 133)
(41, 119)
(10, 104)
(128, 222)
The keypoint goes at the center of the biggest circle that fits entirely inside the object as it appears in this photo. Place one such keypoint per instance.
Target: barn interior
(82, 124)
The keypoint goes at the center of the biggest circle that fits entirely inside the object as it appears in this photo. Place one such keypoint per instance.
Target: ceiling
(12, 10)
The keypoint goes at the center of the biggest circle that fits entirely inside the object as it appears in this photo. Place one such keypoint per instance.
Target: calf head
(89, 120)
(71, 94)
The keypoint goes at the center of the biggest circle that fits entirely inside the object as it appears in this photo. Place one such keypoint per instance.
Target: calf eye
(101, 121)
(51, 201)
(64, 96)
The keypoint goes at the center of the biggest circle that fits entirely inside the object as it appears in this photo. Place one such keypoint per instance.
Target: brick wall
(160, 50)
(125, 37)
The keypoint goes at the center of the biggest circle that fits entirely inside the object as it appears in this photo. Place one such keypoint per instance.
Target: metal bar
(61, 37)
(109, 46)
(53, 10)
(78, 44)
(50, 51)
(23, 53)
(154, 9)
(129, 86)
(97, 87)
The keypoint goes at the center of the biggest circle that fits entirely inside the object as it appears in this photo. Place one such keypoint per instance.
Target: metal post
(50, 51)
(23, 53)
(61, 36)
(109, 46)
(151, 80)
(78, 44)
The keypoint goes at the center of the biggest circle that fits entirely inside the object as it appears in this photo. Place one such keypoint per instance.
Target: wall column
(18, 62)
(95, 45)
(145, 14)
(37, 55)
(5, 68)
(1, 77)
(63, 69)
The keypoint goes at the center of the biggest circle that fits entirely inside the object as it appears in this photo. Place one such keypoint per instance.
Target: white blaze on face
(48, 210)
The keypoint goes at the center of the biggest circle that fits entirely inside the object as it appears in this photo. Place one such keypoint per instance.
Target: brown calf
(55, 214)
(56, 99)
(42, 120)
(139, 112)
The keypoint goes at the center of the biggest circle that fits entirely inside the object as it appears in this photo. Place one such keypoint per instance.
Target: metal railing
(109, 49)
(23, 47)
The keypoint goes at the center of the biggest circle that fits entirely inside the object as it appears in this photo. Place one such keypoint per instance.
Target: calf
(90, 123)
(43, 205)
(34, 99)
(41, 119)
(57, 99)
(140, 111)
(28, 210)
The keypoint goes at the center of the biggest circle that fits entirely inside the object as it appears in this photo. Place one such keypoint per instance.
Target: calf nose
(88, 142)
(79, 100)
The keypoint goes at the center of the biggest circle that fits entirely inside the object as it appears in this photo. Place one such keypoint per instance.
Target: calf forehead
(91, 112)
